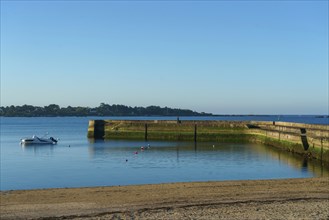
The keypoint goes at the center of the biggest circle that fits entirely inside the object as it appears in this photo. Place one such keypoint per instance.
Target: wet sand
(256, 199)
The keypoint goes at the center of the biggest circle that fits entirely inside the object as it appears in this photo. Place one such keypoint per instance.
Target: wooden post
(146, 132)
(321, 148)
(195, 132)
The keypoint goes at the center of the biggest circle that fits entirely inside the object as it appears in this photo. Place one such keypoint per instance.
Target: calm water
(76, 161)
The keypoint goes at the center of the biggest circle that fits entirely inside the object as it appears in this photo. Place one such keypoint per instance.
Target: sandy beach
(255, 199)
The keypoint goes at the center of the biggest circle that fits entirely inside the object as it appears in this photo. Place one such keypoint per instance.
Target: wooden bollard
(145, 132)
(195, 132)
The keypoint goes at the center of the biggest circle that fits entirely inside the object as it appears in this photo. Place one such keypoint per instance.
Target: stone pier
(307, 139)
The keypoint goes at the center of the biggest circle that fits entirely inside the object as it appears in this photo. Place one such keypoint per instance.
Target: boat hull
(37, 140)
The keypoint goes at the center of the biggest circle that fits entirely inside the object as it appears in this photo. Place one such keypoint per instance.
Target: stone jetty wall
(307, 139)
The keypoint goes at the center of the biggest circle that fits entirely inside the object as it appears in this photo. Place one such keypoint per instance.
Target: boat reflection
(38, 149)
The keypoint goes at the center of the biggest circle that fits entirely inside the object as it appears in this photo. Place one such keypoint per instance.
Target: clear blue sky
(225, 57)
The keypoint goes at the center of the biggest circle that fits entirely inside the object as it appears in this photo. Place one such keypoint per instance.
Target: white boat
(37, 140)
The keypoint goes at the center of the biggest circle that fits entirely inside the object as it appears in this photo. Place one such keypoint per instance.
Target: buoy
(126, 160)
(136, 152)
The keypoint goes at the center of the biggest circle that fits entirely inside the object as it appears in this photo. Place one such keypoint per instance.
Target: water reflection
(205, 154)
(38, 149)
(123, 162)
(305, 165)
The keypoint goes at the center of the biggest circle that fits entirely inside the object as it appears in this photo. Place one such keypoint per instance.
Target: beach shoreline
(248, 199)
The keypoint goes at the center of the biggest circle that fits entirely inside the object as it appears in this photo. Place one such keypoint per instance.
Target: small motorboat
(37, 140)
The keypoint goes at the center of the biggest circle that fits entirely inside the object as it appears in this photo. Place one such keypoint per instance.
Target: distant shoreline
(106, 110)
(103, 109)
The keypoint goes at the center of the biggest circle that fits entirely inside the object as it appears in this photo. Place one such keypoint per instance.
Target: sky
(221, 57)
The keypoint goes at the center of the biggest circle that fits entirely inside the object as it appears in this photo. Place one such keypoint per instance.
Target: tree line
(103, 109)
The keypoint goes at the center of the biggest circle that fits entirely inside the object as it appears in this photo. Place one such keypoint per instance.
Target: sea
(76, 161)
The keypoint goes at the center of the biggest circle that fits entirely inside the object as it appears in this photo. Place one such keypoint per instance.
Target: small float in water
(36, 140)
